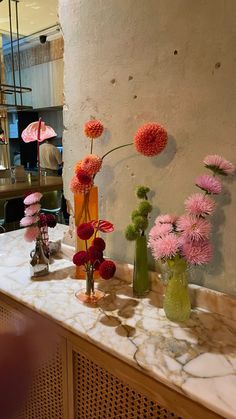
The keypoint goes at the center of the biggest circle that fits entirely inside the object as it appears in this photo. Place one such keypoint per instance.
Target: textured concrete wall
(172, 61)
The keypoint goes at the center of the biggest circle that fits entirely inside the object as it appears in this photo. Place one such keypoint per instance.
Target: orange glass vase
(86, 209)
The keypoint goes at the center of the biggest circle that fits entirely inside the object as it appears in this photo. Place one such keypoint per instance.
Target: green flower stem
(91, 149)
(116, 148)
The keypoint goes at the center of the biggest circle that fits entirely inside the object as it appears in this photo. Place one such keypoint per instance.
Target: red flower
(42, 220)
(80, 258)
(94, 254)
(107, 269)
(150, 139)
(83, 177)
(93, 129)
(103, 226)
(85, 231)
(99, 244)
(51, 220)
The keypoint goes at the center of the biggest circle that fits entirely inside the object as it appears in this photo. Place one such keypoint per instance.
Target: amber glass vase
(86, 209)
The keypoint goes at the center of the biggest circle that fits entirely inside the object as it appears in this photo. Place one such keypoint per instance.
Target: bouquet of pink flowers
(188, 236)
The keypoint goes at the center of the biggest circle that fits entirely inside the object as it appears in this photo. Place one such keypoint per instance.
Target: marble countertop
(197, 358)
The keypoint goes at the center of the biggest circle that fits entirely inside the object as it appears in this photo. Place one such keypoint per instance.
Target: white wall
(191, 92)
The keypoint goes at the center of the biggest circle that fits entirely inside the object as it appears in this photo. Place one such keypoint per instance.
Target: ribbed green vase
(141, 285)
(177, 304)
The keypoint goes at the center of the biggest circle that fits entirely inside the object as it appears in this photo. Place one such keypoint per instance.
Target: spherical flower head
(142, 191)
(28, 221)
(197, 253)
(32, 210)
(77, 188)
(94, 254)
(209, 184)
(160, 230)
(107, 269)
(42, 220)
(140, 223)
(33, 198)
(199, 205)
(219, 164)
(131, 233)
(144, 208)
(134, 214)
(91, 164)
(150, 139)
(164, 247)
(51, 220)
(166, 219)
(83, 177)
(99, 243)
(80, 258)
(93, 129)
(193, 228)
(31, 233)
(78, 166)
(85, 231)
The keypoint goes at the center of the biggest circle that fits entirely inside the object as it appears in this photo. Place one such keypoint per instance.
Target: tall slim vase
(141, 285)
(86, 209)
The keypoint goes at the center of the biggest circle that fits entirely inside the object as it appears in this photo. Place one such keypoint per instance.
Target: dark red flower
(80, 258)
(150, 139)
(42, 220)
(83, 177)
(94, 254)
(85, 231)
(103, 226)
(51, 220)
(99, 243)
(107, 269)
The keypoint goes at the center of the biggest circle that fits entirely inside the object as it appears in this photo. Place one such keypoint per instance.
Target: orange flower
(76, 187)
(91, 164)
(150, 139)
(93, 129)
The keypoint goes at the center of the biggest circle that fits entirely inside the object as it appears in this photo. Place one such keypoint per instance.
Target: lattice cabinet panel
(47, 395)
(100, 395)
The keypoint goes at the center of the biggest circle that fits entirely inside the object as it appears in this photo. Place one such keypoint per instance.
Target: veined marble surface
(197, 358)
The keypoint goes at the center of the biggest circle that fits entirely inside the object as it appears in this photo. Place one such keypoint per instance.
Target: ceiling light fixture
(14, 89)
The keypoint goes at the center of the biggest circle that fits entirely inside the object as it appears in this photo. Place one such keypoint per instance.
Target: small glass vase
(86, 209)
(141, 284)
(39, 263)
(177, 304)
(90, 295)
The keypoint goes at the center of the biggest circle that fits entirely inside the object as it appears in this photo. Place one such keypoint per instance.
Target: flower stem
(116, 148)
(91, 149)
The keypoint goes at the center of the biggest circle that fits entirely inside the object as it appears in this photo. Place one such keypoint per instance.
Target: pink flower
(209, 184)
(32, 209)
(28, 221)
(160, 230)
(197, 253)
(193, 228)
(31, 233)
(33, 198)
(219, 164)
(164, 247)
(37, 131)
(77, 188)
(91, 164)
(199, 204)
(166, 219)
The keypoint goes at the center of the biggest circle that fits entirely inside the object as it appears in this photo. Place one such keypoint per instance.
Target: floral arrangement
(139, 216)
(92, 258)
(188, 237)
(36, 223)
(150, 140)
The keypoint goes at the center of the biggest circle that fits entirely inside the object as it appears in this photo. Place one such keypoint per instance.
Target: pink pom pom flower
(166, 219)
(209, 184)
(197, 253)
(33, 198)
(160, 230)
(164, 247)
(193, 228)
(219, 164)
(28, 221)
(199, 204)
(32, 210)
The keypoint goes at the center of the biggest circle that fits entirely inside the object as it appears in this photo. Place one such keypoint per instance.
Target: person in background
(50, 158)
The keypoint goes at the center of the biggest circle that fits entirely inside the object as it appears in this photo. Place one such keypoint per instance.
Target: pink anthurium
(37, 131)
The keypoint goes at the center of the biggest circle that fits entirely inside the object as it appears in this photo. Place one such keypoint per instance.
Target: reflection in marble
(197, 358)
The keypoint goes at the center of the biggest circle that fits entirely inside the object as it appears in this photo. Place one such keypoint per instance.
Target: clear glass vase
(177, 304)
(141, 285)
(89, 295)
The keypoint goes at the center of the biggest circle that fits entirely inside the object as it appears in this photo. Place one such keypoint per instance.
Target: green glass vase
(141, 285)
(177, 304)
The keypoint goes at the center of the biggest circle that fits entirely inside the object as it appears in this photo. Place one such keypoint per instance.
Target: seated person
(50, 158)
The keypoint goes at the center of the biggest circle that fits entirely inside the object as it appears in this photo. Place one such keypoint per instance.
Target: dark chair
(13, 212)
